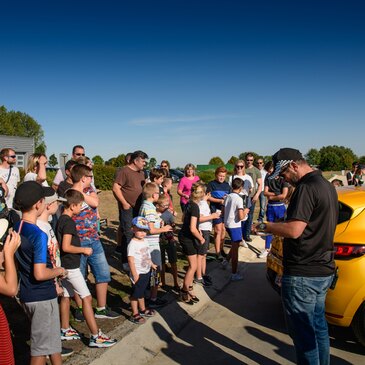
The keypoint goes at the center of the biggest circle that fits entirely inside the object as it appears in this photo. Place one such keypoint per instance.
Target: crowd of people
(58, 230)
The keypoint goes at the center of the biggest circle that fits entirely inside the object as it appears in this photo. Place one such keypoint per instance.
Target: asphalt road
(244, 324)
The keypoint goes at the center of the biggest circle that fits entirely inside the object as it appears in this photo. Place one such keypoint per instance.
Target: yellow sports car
(345, 303)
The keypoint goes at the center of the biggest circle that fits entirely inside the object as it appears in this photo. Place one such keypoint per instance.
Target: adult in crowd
(127, 189)
(185, 184)
(166, 166)
(308, 254)
(358, 179)
(9, 173)
(262, 198)
(77, 152)
(255, 174)
(350, 174)
(36, 169)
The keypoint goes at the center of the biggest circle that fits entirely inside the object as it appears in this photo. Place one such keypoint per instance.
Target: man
(127, 189)
(9, 173)
(308, 254)
(262, 198)
(350, 174)
(77, 152)
(255, 174)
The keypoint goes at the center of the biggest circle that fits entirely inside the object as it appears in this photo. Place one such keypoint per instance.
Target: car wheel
(358, 324)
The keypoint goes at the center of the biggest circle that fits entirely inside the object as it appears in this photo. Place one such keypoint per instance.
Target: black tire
(358, 324)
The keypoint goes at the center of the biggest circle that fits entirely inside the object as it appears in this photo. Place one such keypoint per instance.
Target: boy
(87, 229)
(234, 213)
(157, 176)
(37, 289)
(148, 210)
(75, 282)
(67, 183)
(167, 241)
(140, 263)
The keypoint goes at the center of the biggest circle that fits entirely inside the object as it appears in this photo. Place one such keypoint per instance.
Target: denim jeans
(248, 222)
(262, 200)
(304, 306)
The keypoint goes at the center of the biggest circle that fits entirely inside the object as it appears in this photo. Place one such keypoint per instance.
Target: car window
(345, 213)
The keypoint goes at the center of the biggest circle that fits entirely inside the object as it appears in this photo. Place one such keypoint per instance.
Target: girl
(36, 170)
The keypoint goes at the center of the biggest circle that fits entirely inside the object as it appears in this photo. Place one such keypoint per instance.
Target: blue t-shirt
(218, 190)
(33, 250)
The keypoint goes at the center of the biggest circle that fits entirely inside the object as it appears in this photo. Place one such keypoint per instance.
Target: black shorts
(203, 248)
(170, 249)
(188, 246)
(139, 288)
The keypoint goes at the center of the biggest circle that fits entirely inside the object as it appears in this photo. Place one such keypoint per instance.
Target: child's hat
(27, 194)
(51, 196)
(141, 223)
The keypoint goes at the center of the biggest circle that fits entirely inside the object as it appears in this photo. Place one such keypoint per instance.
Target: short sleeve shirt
(139, 249)
(185, 185)
(11, 182)
(192, 210)
(232, 204)
(255, 174)
(53, 247)
(218, 190)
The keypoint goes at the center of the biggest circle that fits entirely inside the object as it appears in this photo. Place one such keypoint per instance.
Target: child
(157, 176)
(140, 263)
(167, 185)
(87, 229)
(75, 282)
(37, 289)
(67, 183)
(148, 210)
(167, 241)
(234, 213)
(9, 287)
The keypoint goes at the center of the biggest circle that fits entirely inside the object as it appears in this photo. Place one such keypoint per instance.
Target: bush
(206, 176)
(50, 176)
(104, 176)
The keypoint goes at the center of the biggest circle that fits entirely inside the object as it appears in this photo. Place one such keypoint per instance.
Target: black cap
(282, 158)
(27, 194)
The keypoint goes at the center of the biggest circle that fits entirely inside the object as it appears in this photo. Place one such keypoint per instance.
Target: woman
(185, 184)
(191, 239)
(36, 170)
(166, 166)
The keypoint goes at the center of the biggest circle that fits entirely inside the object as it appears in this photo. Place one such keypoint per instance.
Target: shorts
(203, 248)
(97, 261)
(169, 248)
(235, 234)
(188, 246)
(45, 328)
(218, 220)
(139, 288)
(75, 283)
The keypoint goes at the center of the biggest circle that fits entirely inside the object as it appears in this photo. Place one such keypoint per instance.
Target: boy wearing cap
(37, 289)
(140, 263)
(71, 251)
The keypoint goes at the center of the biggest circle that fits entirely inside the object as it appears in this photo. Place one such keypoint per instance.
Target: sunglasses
(260, 163)
(80, 154)
(239, 166)
(12, 156)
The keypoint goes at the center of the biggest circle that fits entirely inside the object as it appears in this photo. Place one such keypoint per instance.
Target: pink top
(185, 185)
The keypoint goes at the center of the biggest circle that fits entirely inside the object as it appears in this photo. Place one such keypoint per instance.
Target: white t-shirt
(232, 204)
(139, 249)
(60, 176)
(247, 183)
(32, 176)
(263, 176)
(53, 247)
(205, 211)
(12, 183)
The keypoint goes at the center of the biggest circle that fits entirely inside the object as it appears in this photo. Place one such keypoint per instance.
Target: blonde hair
(162, 199)
(33, 161)
(189, 166)
(197, 191)
(149, 189)
(239, 162)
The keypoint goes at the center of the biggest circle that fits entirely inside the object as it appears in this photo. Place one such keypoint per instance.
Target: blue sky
(187, 80)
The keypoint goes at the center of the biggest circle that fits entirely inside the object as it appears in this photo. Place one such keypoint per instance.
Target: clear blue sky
(187, 80)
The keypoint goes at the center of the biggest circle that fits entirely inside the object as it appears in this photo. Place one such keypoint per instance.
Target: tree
(361, 160)
(13, 123)
(336, 158)
(232, 160)
(52, 161)
(152, 163)
(313, 157)
(216, 161)
(98, 160)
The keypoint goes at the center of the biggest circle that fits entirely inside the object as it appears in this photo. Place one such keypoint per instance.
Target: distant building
(23, 147)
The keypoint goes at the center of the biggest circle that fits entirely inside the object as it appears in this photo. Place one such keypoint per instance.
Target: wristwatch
(261, 227)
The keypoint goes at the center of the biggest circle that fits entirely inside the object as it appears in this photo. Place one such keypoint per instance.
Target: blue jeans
(248, 222)
(262, 200)
(304, 306)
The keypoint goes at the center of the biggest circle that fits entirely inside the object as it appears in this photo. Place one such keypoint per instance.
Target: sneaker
(224, 263)
(248, 239)
(78, 315)
(65, 352)
(69, 334)
(202, 282)
(208, 279)
(106, 313)
(220, 257)
(236, 277)
(101, 340)
(159, 302)
(263, 254)
(244, 244)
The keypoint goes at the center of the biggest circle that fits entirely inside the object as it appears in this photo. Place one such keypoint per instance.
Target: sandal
(194, 298)
(147, 313)
(137, 319)
(185, 297)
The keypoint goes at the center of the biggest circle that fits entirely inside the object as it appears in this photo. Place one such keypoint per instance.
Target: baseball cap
(51, 196)
(141, 223)
(27, 194)
(282, 158)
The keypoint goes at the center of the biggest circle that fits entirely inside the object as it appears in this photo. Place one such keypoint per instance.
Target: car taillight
(342, 250)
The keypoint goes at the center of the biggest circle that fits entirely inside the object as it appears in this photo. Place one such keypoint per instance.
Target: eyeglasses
(164, 166)
(12, 156)
(80, 154)
(163, 205)
(260, 163)
(240, 167)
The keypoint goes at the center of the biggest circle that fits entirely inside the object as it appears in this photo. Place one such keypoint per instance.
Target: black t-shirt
(192, 210)
(66, 225)
(314, 201)
(62, 187)
(275, 186)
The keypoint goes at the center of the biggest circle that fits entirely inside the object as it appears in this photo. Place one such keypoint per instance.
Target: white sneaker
(263, 254)
(236, 277)
(244, 244)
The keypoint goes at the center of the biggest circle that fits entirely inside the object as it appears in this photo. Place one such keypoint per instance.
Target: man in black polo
(308, 254)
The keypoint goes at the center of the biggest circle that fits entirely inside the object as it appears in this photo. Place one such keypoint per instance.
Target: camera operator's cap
(282, 158)
(51, 196)
(27, 194)
(4, 224)
(141, 223)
